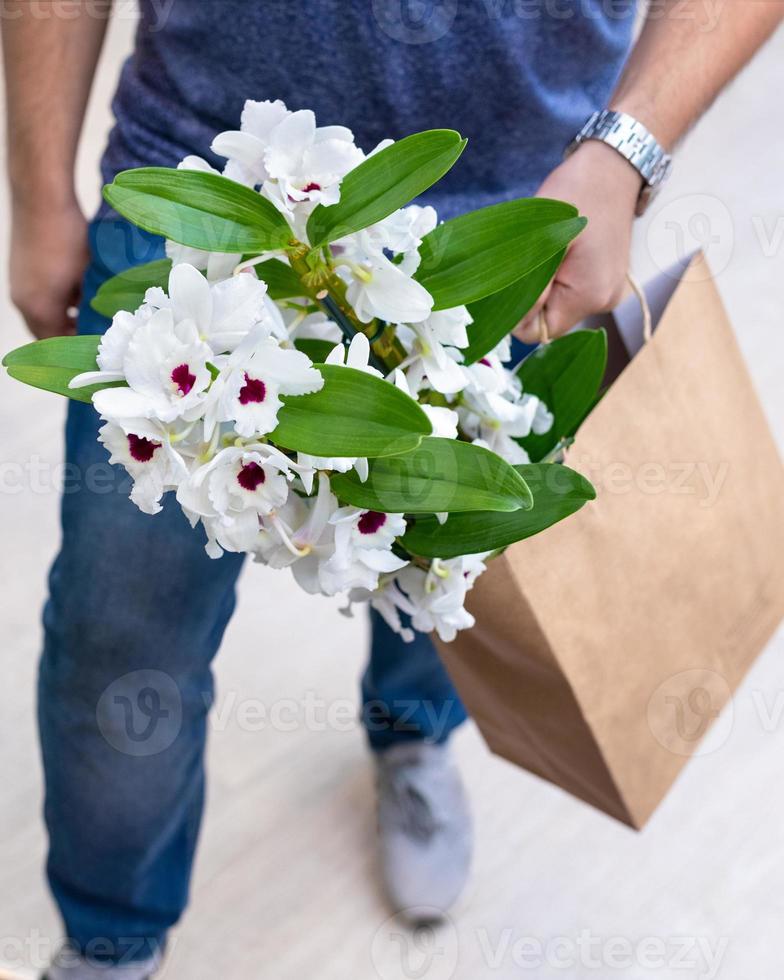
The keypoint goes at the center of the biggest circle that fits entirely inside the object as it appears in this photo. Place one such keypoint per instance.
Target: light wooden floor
(285, 883)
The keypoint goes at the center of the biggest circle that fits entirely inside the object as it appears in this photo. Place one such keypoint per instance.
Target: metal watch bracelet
(634, 142)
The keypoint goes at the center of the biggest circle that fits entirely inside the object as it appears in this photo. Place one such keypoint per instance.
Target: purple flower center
(183, 378)
(254, 390)
(484, 360)
(142, 449)
(251, 477)
(311, 187)
(371, 521)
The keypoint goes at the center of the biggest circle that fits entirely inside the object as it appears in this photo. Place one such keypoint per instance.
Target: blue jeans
(135, 615)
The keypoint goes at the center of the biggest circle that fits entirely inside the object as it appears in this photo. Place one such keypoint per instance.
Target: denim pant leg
(406, 691)
(136, 612)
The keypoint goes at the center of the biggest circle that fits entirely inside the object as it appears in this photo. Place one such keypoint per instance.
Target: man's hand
(49, 254)
(677, 67)
(604, 188)
(49, 60)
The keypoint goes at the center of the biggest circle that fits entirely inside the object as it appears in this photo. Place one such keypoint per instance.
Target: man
(136, 610)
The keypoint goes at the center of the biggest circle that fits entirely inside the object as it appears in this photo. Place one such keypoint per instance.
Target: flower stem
(556, 454)
(386, 350)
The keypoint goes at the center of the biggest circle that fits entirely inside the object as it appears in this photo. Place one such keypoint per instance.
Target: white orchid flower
(238, 535)
(543, 418)
(247, 147)
(308, 162)
(233, 490)
(489, 373)
(433, 350)
(163, 348)
(224, 312)
(435, 600)
(431, 600)
(389, 602)
(248, 388)
(296, 163)
(362, 550)
(362, 529)
(330, 549)
(112, 348)
(299, 533)
(449, 327)
(379, 288)
(496, 422)
(400, 233)
(144, 448)
(165, 365)
(302, 536)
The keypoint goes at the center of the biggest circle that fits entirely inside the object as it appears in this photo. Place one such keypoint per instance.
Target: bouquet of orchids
(319, 370)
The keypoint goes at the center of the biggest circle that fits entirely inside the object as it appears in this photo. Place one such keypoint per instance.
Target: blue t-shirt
(517, 77)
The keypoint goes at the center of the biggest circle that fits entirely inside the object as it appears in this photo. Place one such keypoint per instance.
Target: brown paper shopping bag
(606, 645)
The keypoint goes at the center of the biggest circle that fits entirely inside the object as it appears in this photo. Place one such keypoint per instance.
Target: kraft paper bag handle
(639, 292)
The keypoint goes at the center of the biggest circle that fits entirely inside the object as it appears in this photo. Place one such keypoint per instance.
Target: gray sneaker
(425, 829)
(67, 965)
(105, 974)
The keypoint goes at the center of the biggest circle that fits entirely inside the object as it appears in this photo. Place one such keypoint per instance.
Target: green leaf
(495, 316)
(480, 253)
(126, 290)
(384, 182)
(317, 350)
(201, 210)
(557, 493)
(440, 475)
(50, 364)
(282, 281)
(354, 414)
(566, 374)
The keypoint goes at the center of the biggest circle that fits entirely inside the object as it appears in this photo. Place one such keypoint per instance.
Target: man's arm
(49, 57)
(680, 63)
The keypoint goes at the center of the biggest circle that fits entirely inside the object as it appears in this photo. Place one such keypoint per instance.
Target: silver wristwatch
(635, 143)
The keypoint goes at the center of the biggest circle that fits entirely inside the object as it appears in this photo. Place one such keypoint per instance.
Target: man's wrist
(32, 195)
(601, 163)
